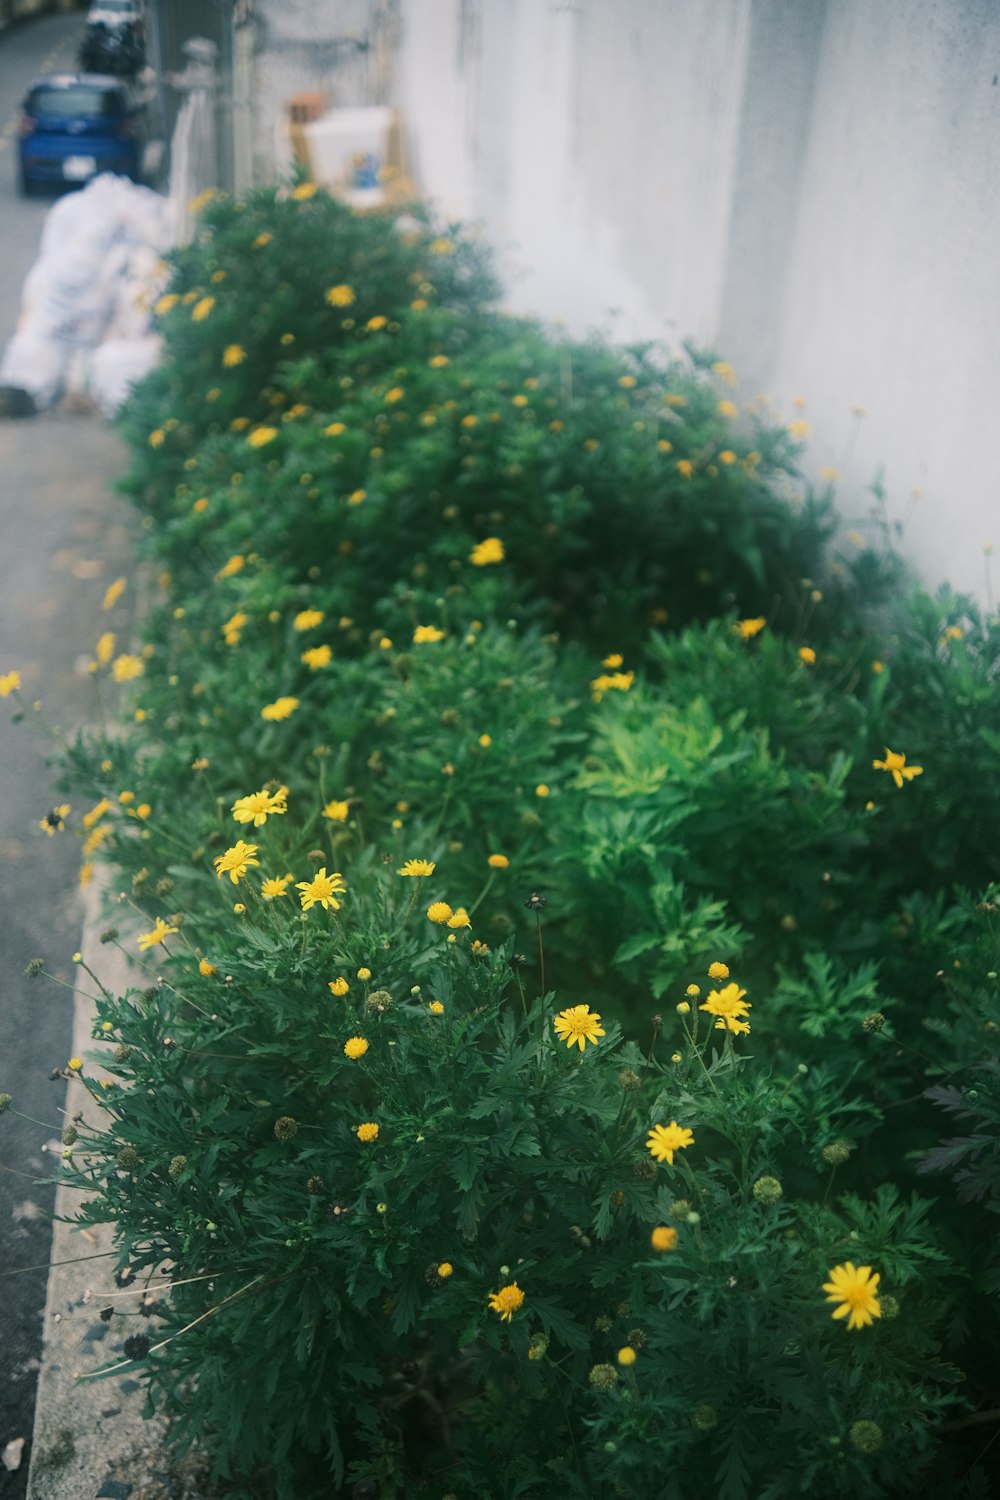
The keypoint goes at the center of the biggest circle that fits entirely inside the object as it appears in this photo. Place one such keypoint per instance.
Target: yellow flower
(205, 969)
(541, 790)
(459, 918)
(55, 820)
(895, 764)
(799, 430)
(506, 1301)
(855, 1290)
(113, 593)
(485, 740)
(306, 619)
(626, 381)
(259, 806)
(438, 362)
(322, 890)
(427, 635)
(96, 813)
(281, 708)
(664, 1237)
(364, 974)
(439, 911)
(317, 657)
(124, 668)
(304, 190)
(613, 661)
(618, 682)
(578, 1025)
(160, 931)
(9, 683)
(376, 323)
(262, 435)
(727, 409)
(664, 1140)
(232, 628)
(724, 371)
(233, 354)
(340, 296)
(356, 1047)
(729, 1008)
(445, 1269)
(274, 886)
(396, 394)
(487, 551)
(356, 497)
(335, 429)
(807, 656)
(338, 986)
(417, 867)
(878, 666)
(337, 811)
(727, 456)
(693, 990)
(367, 1132)
(498, 861)
(718, 971)
(441, 246)
(95, 838)
(201, 309)
(75, 1064)
(236, 564)
(157, 438)
(236, 861)
(747, 629)
(685, 467)
(165, 303)
(626, 1355)
(436, 1008)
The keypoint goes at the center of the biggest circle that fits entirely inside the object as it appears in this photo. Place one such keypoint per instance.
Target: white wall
(810, 187)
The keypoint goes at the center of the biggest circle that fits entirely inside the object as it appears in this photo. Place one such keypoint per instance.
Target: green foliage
(336, 675)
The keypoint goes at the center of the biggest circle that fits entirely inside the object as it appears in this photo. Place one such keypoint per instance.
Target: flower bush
(559, 878)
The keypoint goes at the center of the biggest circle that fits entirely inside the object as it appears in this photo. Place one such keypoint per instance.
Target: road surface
(63, 537)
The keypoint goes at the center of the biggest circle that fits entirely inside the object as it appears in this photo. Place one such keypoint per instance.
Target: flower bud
(704, 1418)
(837, 1152)
(767, 1190)
(873, 1022)
(866, 1436)
(603, 1377)
(285, 1128)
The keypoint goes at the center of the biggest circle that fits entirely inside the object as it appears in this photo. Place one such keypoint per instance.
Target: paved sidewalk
(91, 1439)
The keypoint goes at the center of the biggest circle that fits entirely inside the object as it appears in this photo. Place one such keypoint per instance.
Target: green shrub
(559, 626)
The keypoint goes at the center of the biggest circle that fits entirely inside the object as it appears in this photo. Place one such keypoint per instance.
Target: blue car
(75, 125)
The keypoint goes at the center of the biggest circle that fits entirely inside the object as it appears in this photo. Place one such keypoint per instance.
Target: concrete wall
(807, 186)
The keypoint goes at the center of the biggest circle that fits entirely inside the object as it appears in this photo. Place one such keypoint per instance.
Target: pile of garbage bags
(85, 327)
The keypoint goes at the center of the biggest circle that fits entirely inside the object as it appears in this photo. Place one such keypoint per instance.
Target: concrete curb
(90, 1437)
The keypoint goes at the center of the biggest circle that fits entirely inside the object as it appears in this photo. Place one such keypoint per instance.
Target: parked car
(74, 125)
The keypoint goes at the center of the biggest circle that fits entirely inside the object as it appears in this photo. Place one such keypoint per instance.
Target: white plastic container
(349, 150)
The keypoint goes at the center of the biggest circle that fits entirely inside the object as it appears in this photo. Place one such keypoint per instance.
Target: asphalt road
(63, 537)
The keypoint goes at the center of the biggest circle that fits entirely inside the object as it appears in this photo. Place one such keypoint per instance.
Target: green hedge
(561, 624)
